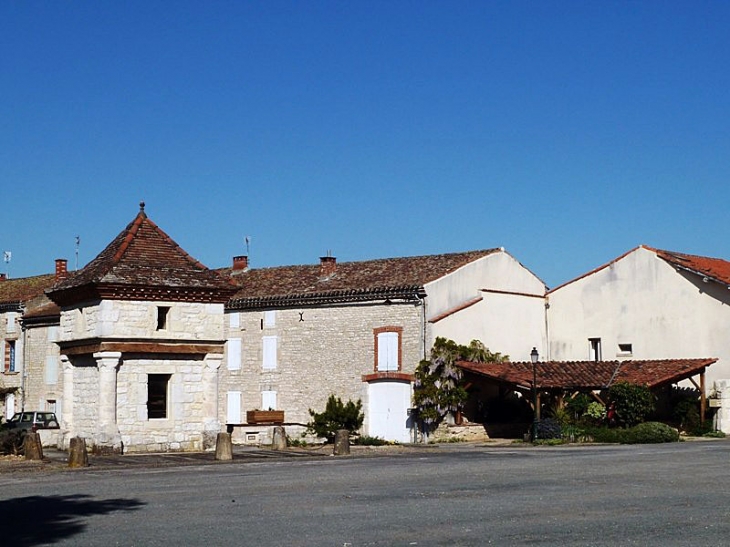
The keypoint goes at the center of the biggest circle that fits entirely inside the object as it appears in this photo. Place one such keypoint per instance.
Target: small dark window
(157, 395)
(625, 348)
(162, 313)
(595, 349)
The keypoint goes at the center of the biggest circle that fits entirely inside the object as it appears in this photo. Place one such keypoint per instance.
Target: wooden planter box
(265, 416)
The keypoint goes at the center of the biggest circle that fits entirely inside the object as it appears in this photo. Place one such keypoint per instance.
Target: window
(270, 318)
(234, 320)
(625, 349)
(233, 407)
(268, 400)
(162, 314)
(269, 351)
(234, 354)
(9, 356)
(51, 405)
(594, 352)
(51, 369)
(157, 385)
(10, 326)
(388, 349)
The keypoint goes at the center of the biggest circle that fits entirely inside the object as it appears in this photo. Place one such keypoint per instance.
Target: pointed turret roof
(143, 263)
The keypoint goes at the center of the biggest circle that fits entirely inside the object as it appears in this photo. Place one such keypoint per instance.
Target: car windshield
(16, 417)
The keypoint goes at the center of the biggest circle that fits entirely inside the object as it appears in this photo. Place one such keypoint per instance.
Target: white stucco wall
(641, 300)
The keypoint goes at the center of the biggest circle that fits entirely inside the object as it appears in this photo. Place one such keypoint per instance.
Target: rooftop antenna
(7, 255)
(248, 245)
(78, 242)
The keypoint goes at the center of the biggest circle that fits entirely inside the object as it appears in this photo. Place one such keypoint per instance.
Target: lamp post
(534, 356)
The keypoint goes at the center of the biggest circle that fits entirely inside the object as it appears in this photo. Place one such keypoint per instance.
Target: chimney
(3, 277)
(327, 266)
(240, 262)
(61, 269)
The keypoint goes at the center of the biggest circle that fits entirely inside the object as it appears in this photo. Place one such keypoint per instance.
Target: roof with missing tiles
(142, 255)
(590, 374)
(402, 277)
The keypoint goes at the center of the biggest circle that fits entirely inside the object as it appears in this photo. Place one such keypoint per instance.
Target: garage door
(388, 404)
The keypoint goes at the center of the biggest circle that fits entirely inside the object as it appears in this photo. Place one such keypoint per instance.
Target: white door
(388, 404)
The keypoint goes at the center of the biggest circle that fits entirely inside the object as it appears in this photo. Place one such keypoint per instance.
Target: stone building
(357, 330)
(141, 339)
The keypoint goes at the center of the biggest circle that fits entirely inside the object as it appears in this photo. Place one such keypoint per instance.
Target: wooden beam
(703, 398)
(597, 398)
(695, 383)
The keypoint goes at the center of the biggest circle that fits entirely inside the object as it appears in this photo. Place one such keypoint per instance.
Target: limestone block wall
(85, 399)
(139, 319)
(182, 430)
(319, 351)
(10, 331)
(43, 382)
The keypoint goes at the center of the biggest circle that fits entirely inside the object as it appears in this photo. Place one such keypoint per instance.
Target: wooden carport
(561, 377)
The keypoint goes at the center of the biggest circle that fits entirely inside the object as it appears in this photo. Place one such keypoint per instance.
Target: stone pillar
(107, 437)
(342, 442)
(722, 417)
(211, 424)
(223, 447)
(67, 408)
(279, 438)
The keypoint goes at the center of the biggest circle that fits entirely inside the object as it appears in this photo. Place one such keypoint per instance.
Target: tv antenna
(78, 243)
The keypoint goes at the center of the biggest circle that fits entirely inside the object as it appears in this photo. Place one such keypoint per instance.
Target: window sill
(389, 375)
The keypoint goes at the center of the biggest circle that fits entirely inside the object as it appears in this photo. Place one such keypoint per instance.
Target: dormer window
(162, 315)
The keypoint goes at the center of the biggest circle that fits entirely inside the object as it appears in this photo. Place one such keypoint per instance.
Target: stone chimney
(240, 262)
(3, 277)
(327, 266)
(61, 269)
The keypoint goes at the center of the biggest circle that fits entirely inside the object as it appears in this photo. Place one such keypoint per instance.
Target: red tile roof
(590, 374)
(715, 268)
(352, 281)
(142, 255)
(16, 291)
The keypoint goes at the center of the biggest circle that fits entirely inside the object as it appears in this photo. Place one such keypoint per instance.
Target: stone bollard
(279, 438)
(77, 454)
(223, 447)
(342, 442)
(32, 446)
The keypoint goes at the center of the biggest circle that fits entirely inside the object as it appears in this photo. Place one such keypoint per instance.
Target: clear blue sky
(567, 132)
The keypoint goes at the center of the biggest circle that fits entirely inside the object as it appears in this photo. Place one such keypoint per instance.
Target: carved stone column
(211, 424)
(107, 437)
(67, 403)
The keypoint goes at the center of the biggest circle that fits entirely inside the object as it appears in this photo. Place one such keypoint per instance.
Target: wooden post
(223, 447)
(77, 455)
(703, 398)
(342, 442)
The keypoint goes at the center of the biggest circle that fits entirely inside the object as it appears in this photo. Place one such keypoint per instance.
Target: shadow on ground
(39, 520)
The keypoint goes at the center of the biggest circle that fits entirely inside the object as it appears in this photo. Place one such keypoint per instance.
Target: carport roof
(583, 375)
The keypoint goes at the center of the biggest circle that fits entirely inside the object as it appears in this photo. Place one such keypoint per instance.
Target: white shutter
(52, 333)
(234, 320)
(387, 351)
(9, 405)
(233, 407)
(270, 318)
(268, 400)
(233, 348)
(269, 352)
(10, 327)
(51, 369)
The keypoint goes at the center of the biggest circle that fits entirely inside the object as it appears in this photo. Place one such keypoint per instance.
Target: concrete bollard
(279, 438)
(342, 442)
(77, 453)
(32, 446)
(223, 447)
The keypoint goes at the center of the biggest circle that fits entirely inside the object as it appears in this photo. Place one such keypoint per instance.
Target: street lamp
(534, 356)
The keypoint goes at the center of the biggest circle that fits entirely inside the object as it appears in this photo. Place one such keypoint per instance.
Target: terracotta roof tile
(143, 255)
(591, 374)
(351, 280)
(15, 291)
(715, 268)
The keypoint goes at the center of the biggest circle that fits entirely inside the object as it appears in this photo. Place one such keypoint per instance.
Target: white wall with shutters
(233, 407)
(268, 400)
(233, 350)
(387, 351)
(269, 352)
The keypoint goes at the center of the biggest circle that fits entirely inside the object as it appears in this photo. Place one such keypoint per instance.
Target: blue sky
(566, 132)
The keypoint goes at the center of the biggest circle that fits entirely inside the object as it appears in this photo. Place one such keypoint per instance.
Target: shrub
(650, 432)
(11, 442)
(632, 403)
(595, 411)
(561, 415)
(367, 440)
(549, 429)
(337, 415)
(578, 405)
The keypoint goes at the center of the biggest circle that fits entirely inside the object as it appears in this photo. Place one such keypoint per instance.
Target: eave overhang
(89, 346)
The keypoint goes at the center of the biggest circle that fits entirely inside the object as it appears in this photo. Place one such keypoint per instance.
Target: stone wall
(10, 330)
(43, 381)
(320, 351)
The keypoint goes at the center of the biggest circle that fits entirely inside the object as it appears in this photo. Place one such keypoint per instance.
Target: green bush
(595, 412)
(646, 433)
(337, 415)
(632, 403)
(367, 440)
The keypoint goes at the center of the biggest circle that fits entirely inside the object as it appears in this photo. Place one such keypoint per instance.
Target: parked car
(32, 419)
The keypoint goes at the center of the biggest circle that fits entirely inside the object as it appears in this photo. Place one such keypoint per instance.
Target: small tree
(437, 389)
(336, 415)
(631, 402)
